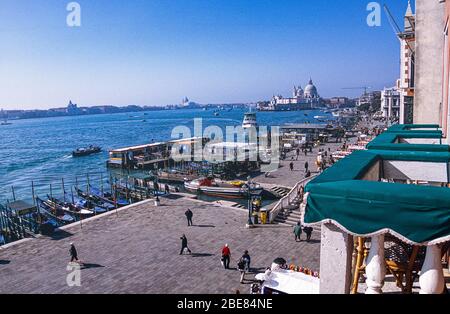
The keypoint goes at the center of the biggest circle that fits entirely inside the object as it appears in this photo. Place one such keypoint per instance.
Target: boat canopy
(353, 196)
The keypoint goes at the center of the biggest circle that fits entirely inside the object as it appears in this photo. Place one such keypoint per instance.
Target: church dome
(311, 90)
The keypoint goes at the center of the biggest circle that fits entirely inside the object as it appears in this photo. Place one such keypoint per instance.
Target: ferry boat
(249, 121)
(213, 187)
(79, 152)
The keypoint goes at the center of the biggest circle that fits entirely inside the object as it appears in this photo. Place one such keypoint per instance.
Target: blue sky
(152, 52)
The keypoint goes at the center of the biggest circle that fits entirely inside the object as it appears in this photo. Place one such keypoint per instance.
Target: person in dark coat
(291, 166)
(73, 253)
(308, 231)
(189, 214)
(298, 232)
(306, 166)
(184, 245)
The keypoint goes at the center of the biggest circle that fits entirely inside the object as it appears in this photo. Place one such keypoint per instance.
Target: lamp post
(249, 194)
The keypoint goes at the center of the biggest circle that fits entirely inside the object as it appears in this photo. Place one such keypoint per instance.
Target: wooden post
(13, 193)
(32, 193)
(63, 189)
(87, 186)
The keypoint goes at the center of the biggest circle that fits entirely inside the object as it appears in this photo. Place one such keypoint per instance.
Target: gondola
(57, 217)
(93, 202)
(72, 209)
(107, 198)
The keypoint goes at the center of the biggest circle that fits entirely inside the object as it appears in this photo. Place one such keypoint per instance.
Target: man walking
(298, 152)
(306, 166)
(291, 166)
(189, 214)
(226, 256)
(298, 232)
(184, 245)
(73, 253)
(308, 231)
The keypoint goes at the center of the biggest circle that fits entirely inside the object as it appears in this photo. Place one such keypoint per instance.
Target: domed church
(301, 99)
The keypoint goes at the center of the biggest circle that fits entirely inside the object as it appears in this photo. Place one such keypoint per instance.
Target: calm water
(39, 150)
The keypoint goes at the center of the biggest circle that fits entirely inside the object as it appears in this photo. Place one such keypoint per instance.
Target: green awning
(415, 214)
(390, 141)
(398, 128)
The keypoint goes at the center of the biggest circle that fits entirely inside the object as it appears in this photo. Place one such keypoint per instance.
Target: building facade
(445, 119)
(301, 99)
(390, 103)
(407, 67)
(428, 61)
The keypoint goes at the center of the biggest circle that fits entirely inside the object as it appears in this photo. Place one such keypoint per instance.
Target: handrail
(287, 199)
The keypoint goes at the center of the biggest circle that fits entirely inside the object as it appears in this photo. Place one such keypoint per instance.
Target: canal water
(39, 150)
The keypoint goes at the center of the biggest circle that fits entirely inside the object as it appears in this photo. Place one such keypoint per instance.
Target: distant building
(390, 103)
(72, 109)
(301, 100)
(369, 98)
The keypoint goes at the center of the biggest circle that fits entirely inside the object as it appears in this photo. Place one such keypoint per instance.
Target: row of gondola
(55, 212)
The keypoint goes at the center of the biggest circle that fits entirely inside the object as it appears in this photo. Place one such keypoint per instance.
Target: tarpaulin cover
(390, 141)
(413, 213)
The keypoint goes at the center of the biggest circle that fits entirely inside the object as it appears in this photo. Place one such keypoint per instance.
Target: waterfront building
(429, 61)
(445, 119)
(407, 66)
(390, 103)
(301, 100)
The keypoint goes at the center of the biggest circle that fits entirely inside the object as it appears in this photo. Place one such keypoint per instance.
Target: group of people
(243, 264)
(298, 229)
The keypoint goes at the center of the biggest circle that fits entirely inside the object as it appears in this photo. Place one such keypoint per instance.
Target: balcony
(385, 200)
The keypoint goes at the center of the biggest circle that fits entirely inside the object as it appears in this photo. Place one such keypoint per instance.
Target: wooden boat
(212, 187)
(71, 209)
(79, 152)
(106, 197)
(56, 215)
(94, 203)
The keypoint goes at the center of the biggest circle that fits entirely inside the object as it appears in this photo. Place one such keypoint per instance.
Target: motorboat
(214, 187)
(79, 152)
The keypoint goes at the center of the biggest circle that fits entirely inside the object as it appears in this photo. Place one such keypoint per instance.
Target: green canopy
(415, 214)
(398, 128)
(391, 141)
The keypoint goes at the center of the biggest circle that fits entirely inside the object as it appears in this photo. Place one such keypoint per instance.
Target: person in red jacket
(226, 256)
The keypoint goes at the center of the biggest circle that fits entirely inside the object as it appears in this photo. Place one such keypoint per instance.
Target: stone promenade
(137, 251)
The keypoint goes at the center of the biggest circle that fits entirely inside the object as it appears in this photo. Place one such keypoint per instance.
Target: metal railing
(287, 200)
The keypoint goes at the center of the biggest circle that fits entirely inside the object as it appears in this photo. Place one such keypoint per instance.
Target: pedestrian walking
(189, 214)
(308, 231)
(306, 166)
(184, 245)
(226, 256)
(298, 153)
(306, 152)
(244, 265)
(291, 166)
(298, 232)
(73, 253)
(167, 189)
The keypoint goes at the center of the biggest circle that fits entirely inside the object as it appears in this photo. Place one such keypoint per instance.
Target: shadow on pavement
(88, 266)
(201, 254)
(3, 262)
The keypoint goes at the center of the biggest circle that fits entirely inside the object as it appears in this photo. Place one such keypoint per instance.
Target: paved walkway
(285, 177)
(137, 251)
